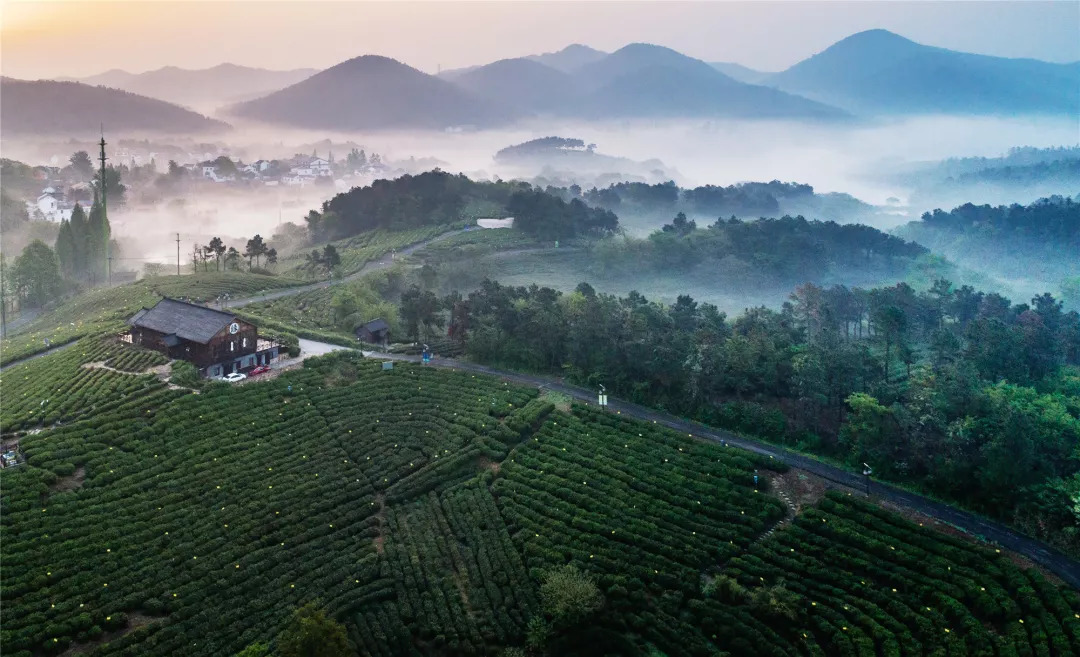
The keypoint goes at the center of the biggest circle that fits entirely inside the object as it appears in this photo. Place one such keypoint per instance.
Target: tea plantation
(423, 507)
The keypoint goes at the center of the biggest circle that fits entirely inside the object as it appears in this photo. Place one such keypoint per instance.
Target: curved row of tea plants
(213, 515)
(59, 388)
(422, 507)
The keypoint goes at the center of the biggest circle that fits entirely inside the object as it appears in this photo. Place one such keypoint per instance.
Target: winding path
(370, 266)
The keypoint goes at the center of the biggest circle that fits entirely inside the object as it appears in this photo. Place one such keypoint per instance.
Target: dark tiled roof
(186, 320)
(378, 324)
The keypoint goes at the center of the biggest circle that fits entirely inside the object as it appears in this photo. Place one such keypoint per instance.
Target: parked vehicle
(261, 369)
(234, 377)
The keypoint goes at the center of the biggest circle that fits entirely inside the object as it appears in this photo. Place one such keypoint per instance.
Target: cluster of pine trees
(82, 245)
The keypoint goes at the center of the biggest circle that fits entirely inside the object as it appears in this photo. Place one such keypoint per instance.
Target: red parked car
(261, 369)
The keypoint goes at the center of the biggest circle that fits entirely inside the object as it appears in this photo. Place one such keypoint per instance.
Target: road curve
(50, 350)
(1059, 564)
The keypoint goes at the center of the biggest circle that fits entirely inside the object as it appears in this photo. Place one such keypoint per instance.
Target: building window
(244, 343)
(232, 345)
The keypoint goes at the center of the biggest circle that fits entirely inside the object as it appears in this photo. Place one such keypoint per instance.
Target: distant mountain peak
(573, 48)
(372, 92)
(570, 58)
(372, 62)
(877, 71)
(877, 33)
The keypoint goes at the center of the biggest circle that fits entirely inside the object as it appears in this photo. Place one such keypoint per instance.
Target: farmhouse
(216, 342)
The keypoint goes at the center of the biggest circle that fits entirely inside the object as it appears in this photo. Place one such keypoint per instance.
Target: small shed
(377, 331)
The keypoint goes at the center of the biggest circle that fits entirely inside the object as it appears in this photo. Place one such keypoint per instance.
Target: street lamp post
(602, 398)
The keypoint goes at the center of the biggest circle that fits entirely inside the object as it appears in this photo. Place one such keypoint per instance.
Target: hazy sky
(49, 39)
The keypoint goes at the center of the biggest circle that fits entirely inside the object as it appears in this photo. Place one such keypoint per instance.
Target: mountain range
(78, 110)
(868, 74)
(637, 81)
(204, 88)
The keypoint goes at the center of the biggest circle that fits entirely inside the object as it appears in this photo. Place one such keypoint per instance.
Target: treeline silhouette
(1013, 239)
(750, 198)
(783, 249)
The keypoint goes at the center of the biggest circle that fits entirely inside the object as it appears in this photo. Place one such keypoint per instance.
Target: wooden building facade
(215, 341)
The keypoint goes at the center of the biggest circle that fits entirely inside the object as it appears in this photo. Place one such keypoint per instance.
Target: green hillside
(423, 508)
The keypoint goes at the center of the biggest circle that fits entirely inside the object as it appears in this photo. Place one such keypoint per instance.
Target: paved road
(51, 350)
(384, 261)
(24, 318)
(1062, 566)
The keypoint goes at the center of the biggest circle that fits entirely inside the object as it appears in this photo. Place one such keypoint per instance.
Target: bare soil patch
(71, 482)
(801, 488)
(380, 539)
(135, 621)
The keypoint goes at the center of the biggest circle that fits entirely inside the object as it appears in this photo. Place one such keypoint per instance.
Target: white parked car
(234, 377)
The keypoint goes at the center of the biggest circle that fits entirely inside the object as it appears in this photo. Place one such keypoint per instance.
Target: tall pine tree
(65, 247)
(79, 228)
(98, 234)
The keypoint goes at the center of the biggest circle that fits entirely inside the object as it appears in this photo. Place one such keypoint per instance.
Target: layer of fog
(853, 159)
(832, 158)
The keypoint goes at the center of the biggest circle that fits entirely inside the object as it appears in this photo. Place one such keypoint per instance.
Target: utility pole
(3, 301)
(178, 254)
(104, 206)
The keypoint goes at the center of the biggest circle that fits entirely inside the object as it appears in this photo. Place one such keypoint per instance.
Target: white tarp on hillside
(496, 223)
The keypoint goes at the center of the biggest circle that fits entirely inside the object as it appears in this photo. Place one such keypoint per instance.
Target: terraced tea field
(422, 507)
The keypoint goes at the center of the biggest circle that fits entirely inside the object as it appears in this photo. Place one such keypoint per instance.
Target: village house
(377, 331)
(51, 205)
(314, 167)
(217, 342)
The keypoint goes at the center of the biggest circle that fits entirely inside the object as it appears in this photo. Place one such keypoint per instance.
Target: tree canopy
(961, 392)
(440, 198)
(36, 275)
(311, 633)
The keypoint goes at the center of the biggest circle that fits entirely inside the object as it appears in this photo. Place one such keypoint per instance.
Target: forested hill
(74, 109)
(786, 250)
(745, 200)
(1023, 174)
(440, 198)
(1013, 240)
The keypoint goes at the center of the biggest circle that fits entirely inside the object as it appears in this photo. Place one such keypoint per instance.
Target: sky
(42, 38)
